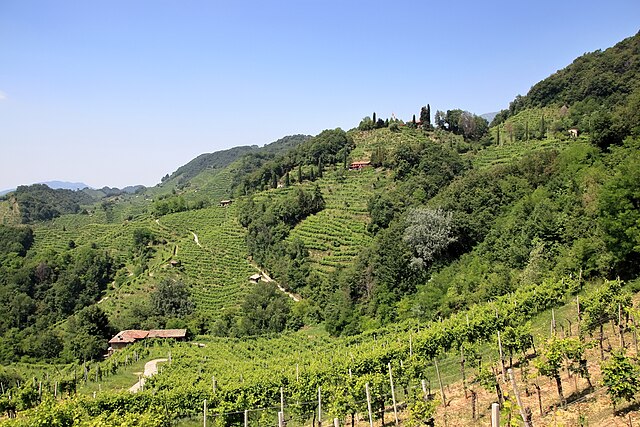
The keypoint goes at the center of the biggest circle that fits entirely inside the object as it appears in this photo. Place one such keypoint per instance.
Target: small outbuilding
(573, 132)
(255, 278)
(225, 203)
(176, 334)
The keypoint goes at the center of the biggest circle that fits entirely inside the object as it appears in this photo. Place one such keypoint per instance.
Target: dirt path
(268, 279)
(195, 239)
(150, 369)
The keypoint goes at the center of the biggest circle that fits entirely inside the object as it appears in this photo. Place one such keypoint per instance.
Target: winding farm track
(150, 369)
(195, 239)
(267, 279)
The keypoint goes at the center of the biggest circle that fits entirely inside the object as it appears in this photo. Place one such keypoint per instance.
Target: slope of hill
(598, 93)
(220, 159)
(442, 245)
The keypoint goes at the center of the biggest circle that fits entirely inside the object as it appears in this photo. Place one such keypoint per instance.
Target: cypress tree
(429, 115)
(320, 168)
(374, 118)
(287, 180)
(414, 120)
(299, 173)
(543, 128)
(526, 130)
(498, 135)
(312, 176)
(344, 159)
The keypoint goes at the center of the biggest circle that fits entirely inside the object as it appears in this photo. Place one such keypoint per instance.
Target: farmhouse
(124, 338)
(356, 166)
(130, 336)
(225, 203)
(255, 278)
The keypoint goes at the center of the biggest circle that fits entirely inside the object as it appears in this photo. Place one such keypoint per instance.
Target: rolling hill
(421, 265)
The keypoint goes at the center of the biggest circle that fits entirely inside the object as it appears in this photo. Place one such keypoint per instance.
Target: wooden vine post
(504, 372)
(319, 407)
(246, 418)
(410, 346)
(620, 327)
(464, 379)
(578, 311)
(495, 415)
(282, 401)
(424, 389)
(204, 413)
(393, 395)
(366, 387)
(523, 413)
(444, 398)
(635, 334)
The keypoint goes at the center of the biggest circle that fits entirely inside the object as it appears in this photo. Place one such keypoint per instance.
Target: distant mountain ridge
(55, 185)
(221, 159)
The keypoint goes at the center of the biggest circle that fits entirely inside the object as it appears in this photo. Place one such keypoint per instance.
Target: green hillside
(452, 239)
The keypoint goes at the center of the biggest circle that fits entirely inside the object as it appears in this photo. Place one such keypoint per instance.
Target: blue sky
(122, 92)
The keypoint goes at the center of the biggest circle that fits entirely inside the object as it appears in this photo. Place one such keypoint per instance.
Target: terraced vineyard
(367, 141)
(508, 152)
(217, 263)
(338, 233)
(83, 230)
(335, 235)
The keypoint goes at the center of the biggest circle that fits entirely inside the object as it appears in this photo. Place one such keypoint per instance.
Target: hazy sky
(121, 92)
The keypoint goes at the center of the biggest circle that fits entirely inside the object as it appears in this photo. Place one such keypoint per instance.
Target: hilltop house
(130, 336)
(356, 166)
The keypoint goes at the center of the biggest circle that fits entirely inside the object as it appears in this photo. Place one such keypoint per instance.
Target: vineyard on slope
(236, 375)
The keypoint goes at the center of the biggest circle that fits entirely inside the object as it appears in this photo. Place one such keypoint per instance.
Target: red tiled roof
(129, 336)
(167, 333)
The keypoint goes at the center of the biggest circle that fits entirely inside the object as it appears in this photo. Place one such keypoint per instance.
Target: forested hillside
(390, 246)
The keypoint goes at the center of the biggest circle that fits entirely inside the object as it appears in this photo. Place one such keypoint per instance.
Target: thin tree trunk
(474, 401)
(559, 385)
(539, 398)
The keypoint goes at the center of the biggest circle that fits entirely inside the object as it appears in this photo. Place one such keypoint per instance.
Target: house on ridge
(356, 166)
